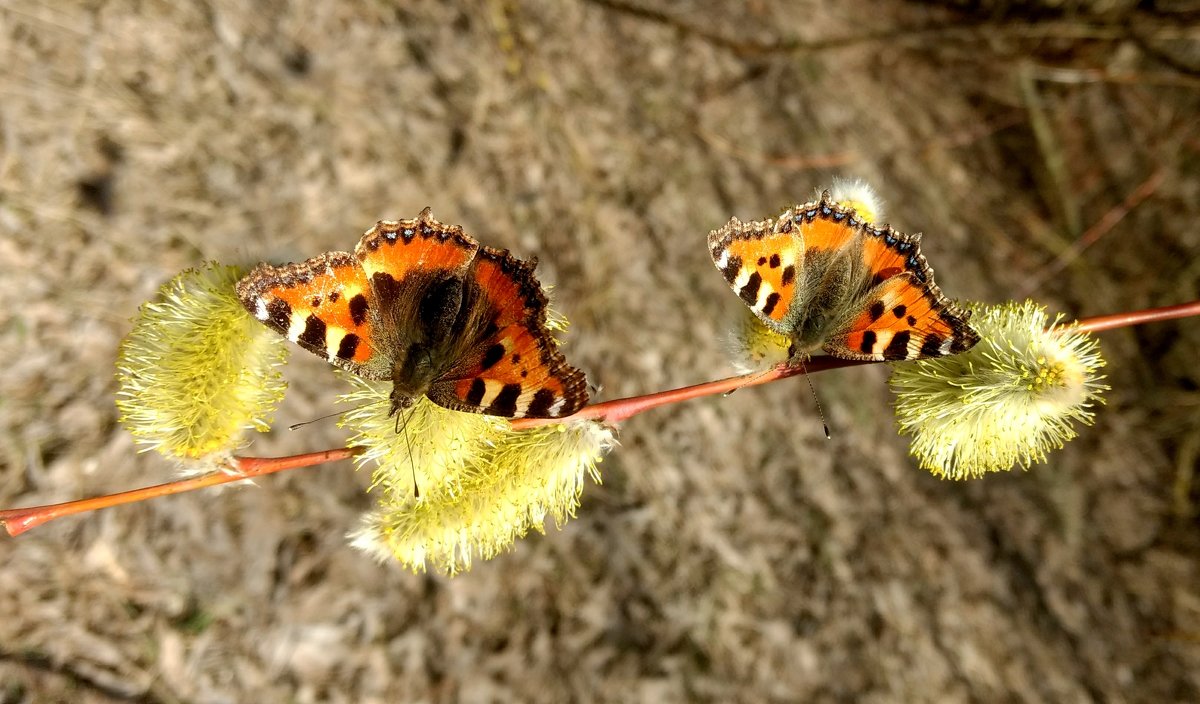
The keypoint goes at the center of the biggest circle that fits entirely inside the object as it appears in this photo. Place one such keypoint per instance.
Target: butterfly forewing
(323, 305)
(395, 249)
(761, 265)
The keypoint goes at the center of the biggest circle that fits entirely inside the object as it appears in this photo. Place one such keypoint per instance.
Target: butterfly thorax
(422, 351)
(835, 284)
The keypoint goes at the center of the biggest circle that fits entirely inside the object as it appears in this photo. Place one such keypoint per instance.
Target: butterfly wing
(903, 315)
(399, 249)
(761, 261)
(822, 275)
(508, 364)
(323, 305)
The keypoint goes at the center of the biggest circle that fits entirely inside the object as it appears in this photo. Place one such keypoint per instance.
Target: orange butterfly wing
(399, 248)
(882, 304)
(761, 264)
(511, 365)
(321, 304)
(903, 314)
(904, 320)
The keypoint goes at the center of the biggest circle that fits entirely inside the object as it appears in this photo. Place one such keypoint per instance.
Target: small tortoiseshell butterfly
(425, 306)
(827, 279)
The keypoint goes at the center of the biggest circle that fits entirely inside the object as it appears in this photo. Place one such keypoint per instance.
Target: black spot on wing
(348, 346)
(279, 314)
(876, 311)
(494, 354)
(932, 346)
(358, 308)
(899, 311)
(789, 275)
(539, 407)
(898, 347)
(775, 262)
(749, 292)
(505, 403)
(868, 343)
(476, 392)
(772, 301)
(314, 333)
(733, 267)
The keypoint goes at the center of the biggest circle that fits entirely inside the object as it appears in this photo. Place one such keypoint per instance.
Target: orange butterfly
(425, 306)
(830, 281)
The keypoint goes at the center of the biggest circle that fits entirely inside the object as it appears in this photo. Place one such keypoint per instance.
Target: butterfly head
(400, 401)
(412, 375)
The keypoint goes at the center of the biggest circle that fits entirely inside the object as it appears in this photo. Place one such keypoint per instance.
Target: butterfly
(425, 306)
(822, 276)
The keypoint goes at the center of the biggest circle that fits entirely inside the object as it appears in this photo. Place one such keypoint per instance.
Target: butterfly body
(823, 276)
(425, 306)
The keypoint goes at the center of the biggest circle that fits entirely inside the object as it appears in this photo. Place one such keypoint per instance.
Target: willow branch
(17, 521)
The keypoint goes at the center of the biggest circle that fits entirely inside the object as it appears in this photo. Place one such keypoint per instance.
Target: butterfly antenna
(748, 382)
(301, 424)
(412, 465)
(817, 400)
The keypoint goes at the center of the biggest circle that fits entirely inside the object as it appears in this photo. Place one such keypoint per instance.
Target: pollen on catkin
(1004, 403)
(858, 194)
(754, 346)
(196, 371)
(482, 485)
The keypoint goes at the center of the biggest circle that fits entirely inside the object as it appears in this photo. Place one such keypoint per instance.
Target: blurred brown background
(733, 554)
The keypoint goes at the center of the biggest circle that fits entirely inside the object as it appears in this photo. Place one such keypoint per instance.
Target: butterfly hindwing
(510, 364)
(904, 318)
(323, 305)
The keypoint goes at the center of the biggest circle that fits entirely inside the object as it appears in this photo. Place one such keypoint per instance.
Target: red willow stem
(17, 521)
(1101, 323)
(621, 409)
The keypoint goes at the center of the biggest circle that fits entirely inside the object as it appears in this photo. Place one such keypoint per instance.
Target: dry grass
(733, 554)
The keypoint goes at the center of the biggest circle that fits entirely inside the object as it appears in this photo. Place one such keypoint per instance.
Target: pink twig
(17, 521)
